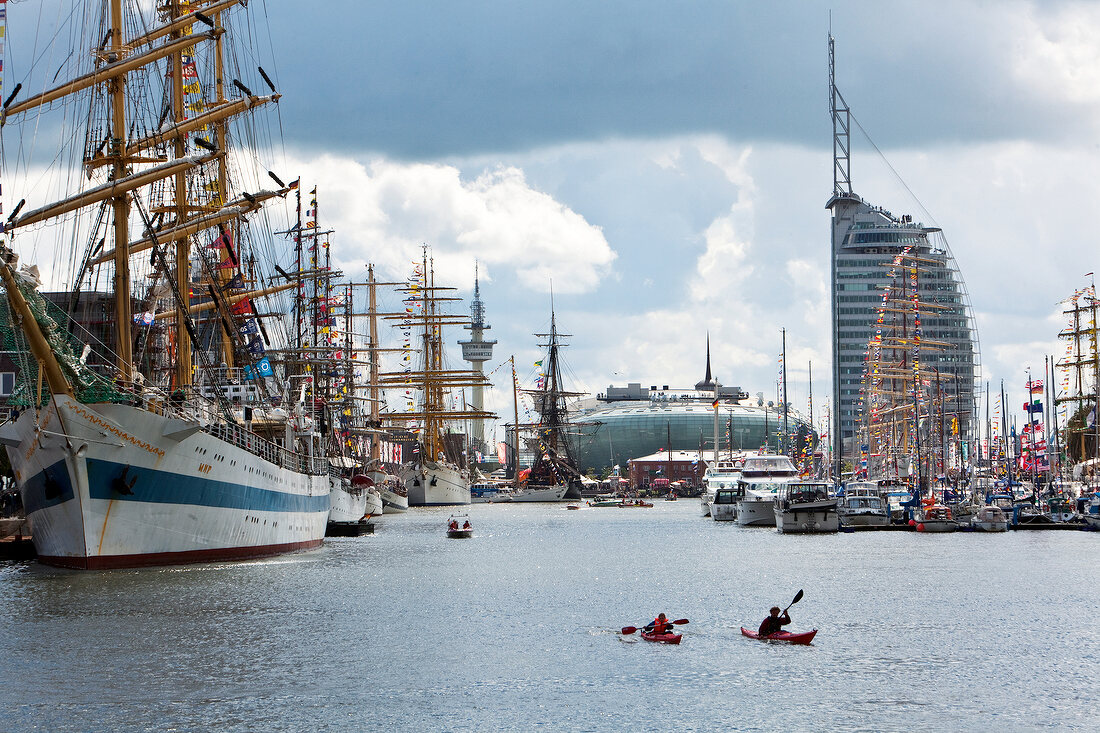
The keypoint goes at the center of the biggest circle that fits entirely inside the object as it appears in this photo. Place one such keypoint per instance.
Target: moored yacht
(803, 507)
(723, 508)
(990, 518)
(762, 477)
(862, 505)
(720, 474)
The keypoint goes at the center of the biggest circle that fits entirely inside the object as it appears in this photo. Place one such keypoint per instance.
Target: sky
(663, 168)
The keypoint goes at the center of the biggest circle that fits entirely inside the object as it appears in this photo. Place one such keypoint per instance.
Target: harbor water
(518, 629)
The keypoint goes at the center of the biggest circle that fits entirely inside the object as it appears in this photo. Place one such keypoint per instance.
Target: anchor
(121, 486)
(51, 487)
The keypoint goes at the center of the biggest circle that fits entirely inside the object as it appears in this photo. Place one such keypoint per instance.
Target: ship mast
(120, 203)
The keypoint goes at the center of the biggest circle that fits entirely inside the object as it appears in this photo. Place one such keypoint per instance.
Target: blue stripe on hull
(163, 487)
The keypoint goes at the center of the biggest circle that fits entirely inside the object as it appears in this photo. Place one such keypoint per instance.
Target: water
(517, 629)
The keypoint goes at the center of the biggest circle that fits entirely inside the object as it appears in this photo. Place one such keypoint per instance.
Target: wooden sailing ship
(553, 475)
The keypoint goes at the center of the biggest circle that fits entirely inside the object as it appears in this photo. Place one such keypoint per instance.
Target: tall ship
(184, 445)
(1079, 398)
(438, 474)
(321, 358)
(910, 423)
(553, 475)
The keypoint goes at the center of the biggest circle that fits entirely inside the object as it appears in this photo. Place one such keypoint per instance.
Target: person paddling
(774, 622)
(660, 625)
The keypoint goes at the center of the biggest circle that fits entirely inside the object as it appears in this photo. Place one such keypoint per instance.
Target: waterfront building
(631, 421)
(866, 239)
(686, 466)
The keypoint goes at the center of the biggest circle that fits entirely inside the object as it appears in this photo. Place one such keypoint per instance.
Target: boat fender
(121, 486)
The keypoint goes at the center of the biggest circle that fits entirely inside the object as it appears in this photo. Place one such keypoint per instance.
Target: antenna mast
(842, 118)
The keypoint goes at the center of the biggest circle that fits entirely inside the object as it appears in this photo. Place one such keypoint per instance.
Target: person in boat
(453, 524)
(774, 622)
(466, 524)
(660, 625)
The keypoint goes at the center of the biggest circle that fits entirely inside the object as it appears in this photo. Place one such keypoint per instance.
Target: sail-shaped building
(866, 240)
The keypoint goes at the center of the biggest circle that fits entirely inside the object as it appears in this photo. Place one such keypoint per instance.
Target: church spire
(708, 357)
(708, 384)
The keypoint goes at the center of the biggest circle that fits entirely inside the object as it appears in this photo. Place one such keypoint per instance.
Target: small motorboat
(573, 506)
(458, 527)
(665, 638)
(990, 518)
(936, 518)
(801, 638)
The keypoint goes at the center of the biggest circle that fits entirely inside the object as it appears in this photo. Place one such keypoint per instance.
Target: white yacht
(720, 474)
(762, 477)
(862, 505)
(803, 507)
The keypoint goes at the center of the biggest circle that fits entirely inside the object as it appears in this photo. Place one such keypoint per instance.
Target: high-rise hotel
(865, 240)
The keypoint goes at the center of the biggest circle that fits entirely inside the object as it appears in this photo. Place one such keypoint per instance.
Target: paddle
(631, 629)
(797, 598)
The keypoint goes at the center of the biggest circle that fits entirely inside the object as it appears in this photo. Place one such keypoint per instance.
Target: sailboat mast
(515, 420)
(120, 206)
(183, 248)
(220, 138)
(786, 442)
(375, 447)
(810, 437)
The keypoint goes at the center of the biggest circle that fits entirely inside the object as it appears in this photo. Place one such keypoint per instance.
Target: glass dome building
(612, 433)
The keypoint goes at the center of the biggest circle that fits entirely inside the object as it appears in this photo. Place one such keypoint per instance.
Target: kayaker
(774, 622)
(660, 625)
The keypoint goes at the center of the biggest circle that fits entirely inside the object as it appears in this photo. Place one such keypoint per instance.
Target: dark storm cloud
(430, 79)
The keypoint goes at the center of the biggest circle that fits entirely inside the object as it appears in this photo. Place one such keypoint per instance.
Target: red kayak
(668, 638)
(803, 638)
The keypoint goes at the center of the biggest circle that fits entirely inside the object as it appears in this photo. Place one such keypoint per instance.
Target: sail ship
(909, 427)
(160, 458)
(322, 354)
(1079, 437)
(553, 475)
(438, 473)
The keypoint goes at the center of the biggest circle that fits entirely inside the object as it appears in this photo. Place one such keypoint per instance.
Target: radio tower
(477, 351)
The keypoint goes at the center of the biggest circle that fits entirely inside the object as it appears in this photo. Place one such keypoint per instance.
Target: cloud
(1059, 60)
(383, 210)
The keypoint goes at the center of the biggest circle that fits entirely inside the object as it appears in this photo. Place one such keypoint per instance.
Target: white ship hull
(392, 502)
(864, 519)
(809, 518)
(435, 484)
(347, 504)
(110, 485)
(557, 492)
(756, 512)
